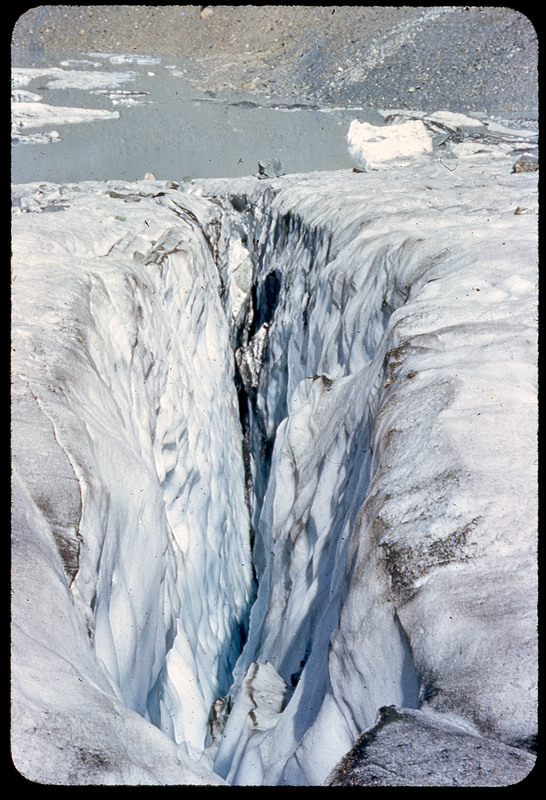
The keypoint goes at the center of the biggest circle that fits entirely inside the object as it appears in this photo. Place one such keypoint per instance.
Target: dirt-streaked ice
(291, 425)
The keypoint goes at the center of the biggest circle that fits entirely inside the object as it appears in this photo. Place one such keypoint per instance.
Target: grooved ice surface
(125, 346)
(379, 454)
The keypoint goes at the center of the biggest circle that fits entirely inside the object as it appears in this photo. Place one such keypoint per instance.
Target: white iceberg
(373, 145)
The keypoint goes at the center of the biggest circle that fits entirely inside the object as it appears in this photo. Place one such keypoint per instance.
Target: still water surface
(169, 129)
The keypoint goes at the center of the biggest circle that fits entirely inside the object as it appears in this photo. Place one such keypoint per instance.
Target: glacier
(274, 495)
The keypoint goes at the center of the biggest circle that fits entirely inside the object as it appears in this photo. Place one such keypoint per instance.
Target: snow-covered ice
(274, 449)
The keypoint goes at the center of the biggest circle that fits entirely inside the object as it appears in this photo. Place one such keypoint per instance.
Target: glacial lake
(164, 125)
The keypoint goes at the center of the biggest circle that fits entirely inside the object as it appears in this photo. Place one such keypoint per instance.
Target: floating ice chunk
(133, 58)
(24, 96)
(470, 149)
(80, 79)
(22, 76)
(372, 145)
(34, 115)
(59, 78)
(454, 120)
(80, 62)
(36, 137)
(511, 130)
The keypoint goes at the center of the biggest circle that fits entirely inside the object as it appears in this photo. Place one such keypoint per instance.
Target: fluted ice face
(127, 352)
(396, 326)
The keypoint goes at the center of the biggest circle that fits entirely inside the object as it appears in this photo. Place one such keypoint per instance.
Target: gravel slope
(453, 57)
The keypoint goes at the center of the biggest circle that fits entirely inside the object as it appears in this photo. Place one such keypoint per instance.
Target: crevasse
(311, 360)
(280, 404)
(250, 340)
(165, 567)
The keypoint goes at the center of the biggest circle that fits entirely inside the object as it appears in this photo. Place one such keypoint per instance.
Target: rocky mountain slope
(454, 57)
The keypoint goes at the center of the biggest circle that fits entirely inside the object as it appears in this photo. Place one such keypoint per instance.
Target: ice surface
(28, 112)
(371, 145)
(58, 78)
(291, 426)
(35, 114)
(69, 723)
(154, 508)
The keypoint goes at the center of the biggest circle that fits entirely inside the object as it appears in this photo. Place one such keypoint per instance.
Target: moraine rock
(407, 747)
(526, 163)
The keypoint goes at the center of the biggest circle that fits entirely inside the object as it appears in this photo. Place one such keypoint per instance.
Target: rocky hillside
(455, 57)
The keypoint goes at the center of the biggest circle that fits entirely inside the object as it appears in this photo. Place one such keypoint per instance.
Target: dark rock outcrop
(408, 747)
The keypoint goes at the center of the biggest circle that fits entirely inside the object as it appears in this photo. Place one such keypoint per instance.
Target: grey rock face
(407, 747)
(270, 169)
(526, 163)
